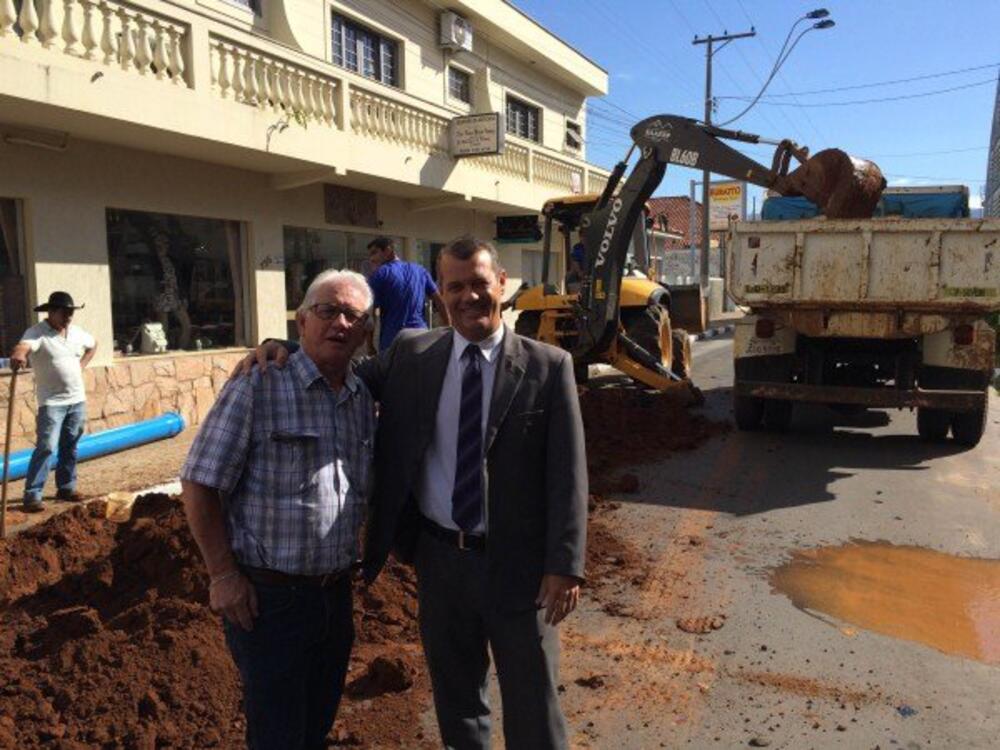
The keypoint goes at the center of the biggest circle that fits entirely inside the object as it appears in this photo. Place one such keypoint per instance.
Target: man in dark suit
(481, 481)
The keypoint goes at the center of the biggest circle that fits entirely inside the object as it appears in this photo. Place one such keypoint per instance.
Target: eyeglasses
(326, 311)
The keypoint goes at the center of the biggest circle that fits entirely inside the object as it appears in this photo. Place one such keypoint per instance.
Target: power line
(781, 77)
(877, 83)
(989, 81)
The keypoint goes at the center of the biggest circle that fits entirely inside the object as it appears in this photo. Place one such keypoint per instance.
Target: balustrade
(110, 31)
(388, 120)
(557, 173)
(261, 80)
(514, 161)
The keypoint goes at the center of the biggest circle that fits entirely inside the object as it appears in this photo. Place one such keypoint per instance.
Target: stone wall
(130, 390)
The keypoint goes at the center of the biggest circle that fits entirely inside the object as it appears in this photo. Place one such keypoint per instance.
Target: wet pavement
(946, 602)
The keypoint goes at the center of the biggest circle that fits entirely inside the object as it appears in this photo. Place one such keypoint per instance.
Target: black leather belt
(455, 538)
(267, 577)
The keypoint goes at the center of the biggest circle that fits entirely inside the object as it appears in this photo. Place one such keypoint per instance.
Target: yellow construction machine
(647, 349)
(619, 319)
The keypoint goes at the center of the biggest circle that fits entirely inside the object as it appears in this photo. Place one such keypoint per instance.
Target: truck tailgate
(870, 264)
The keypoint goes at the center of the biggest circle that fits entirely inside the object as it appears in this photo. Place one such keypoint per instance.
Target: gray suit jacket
(535, 469)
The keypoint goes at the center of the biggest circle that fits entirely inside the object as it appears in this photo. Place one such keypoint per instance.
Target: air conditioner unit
(456, 32)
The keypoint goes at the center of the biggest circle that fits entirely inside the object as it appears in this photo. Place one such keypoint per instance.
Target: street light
(785, 51)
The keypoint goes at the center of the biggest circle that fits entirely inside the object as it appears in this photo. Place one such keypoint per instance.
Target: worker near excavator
(59, 352)
(275, 489)
(481, 482)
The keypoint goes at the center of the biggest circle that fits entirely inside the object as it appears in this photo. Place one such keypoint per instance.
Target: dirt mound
(627, 426)
(106, 642)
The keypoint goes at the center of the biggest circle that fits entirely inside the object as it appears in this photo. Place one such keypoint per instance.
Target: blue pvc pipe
(106, 441)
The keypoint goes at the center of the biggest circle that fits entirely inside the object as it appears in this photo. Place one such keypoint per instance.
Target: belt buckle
(324, 579)
(461, 540)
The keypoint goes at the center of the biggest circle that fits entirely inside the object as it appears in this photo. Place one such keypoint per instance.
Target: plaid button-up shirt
(293, 461)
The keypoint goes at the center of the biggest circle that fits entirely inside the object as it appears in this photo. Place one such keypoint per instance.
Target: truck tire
(528, 323)
(967, 427)
(932, 424)
(748, 411)
(777, 414)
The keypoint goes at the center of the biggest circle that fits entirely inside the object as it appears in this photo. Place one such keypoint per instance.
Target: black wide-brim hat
(59, 300)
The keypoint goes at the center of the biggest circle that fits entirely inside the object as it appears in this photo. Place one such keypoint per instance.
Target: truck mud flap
(877, 397)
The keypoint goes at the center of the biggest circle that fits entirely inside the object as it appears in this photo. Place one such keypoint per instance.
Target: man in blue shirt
(401, 290)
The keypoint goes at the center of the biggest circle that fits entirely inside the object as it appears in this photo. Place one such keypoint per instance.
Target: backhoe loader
(624, 321)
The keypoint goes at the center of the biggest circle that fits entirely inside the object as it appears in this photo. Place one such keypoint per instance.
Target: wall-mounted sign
(344, 205)
(477, 135)
(518, 228)
(728, 198)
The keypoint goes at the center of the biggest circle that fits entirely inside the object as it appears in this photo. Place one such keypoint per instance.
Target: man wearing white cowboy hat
(59, 351)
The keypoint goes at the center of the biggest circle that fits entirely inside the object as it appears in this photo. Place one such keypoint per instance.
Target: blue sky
(645, 45)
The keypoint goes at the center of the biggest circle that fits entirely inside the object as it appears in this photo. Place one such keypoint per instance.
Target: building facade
(991, 198)
(196, 162)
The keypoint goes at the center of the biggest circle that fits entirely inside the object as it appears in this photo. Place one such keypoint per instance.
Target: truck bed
(916, 265)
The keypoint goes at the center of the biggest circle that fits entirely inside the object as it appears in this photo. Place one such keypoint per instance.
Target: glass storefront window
(183, 272)
(310, 251)
(13, 306)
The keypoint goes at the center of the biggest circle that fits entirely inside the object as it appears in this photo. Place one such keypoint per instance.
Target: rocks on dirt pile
(106, 641)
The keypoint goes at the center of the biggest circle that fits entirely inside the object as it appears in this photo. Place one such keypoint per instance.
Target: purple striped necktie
(467, 496)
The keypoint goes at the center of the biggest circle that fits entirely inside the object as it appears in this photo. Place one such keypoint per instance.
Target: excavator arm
(841, 185)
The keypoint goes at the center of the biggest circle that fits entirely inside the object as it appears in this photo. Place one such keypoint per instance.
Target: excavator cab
(550, 311)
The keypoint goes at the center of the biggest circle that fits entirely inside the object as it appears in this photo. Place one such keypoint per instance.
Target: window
(522, 119)
(574, 136)
(310, 251)
(459, 85)
(253, 5)
(13, 303)
(181, 271)
(365, 52)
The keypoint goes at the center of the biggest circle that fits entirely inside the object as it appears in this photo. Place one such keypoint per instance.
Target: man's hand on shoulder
(270, 352)
(559, 596)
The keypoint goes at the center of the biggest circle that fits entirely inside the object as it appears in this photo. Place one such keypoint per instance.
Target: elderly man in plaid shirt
(275, 490)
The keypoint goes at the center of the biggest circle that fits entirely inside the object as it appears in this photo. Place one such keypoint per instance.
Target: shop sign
(518, 228)
(726, 199)
(477, 135)
(349, 206)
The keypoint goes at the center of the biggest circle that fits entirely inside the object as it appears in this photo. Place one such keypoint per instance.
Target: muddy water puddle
(949, 603)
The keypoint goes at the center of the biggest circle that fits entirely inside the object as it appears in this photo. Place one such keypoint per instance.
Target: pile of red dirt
(106, 641)
(629, 426)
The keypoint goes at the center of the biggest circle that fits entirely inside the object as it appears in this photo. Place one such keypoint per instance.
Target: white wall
(65, 196)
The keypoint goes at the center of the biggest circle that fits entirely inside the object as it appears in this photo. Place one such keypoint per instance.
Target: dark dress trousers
(535, 485)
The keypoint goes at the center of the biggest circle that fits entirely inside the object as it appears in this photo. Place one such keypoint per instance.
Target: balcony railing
(109, 32)
(129, 37)
(265, 81)
(387, 120)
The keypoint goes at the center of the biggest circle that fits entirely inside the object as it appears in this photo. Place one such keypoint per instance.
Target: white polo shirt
(55, 358)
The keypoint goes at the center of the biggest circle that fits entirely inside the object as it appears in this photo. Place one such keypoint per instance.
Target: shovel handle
(6, 454)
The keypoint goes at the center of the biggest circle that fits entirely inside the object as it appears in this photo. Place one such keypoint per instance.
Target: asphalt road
(708, 527)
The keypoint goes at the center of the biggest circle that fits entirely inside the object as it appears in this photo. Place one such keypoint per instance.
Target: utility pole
(710, 49)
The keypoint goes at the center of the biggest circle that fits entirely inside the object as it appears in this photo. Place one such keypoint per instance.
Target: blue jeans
(293, 664)
(60, 426)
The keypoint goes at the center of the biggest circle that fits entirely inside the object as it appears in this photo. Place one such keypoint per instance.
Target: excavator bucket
(842, 186)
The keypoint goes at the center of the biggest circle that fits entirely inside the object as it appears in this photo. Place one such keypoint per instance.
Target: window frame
(528, 108)
(575, 127)
(452, 68)
(383, 51)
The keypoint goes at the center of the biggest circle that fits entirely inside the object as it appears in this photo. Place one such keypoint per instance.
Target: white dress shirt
(438, 473)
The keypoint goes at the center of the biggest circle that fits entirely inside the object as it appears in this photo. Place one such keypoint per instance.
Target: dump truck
(876, 312)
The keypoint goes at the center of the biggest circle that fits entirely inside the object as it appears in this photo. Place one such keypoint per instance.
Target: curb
(711, 333)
